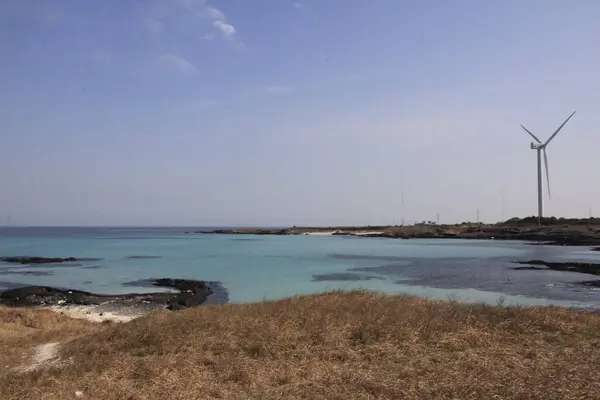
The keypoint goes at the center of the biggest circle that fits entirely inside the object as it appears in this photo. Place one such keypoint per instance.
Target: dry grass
(22, 329)
(337, 346)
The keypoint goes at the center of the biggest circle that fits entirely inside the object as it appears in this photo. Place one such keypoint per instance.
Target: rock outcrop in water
(37, 260)
(190, 294)
(581, 267)
(595, 284)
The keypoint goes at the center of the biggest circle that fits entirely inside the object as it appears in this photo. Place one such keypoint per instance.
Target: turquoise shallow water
(254, 268)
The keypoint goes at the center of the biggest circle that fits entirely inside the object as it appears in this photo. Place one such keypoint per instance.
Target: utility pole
(503, 215)
(438, 219)
(478, 215)
(402, 197)
(402, 207)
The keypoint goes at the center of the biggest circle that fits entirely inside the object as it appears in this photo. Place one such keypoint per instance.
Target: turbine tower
(541, 147)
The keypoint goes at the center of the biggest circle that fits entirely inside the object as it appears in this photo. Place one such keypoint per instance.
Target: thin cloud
(276, 89)
(213, 15)
(226, 29)
(176, 63)
(219, 21)
(197, 18)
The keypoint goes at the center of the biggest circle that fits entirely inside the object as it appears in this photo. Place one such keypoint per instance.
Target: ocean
(256, 268)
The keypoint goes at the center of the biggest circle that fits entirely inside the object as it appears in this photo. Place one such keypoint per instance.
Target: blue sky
(276, 112)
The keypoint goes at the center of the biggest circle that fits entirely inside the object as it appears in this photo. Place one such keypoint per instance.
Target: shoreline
(120, 307)
(183, 293)
(555, 232)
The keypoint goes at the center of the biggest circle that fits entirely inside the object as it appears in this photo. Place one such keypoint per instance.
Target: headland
(552, 231)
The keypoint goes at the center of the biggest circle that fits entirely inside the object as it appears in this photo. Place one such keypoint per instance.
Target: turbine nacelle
(536, 146)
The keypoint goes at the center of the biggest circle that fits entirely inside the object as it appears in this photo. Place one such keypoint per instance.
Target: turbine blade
(532, 135)
(547, 173)
(559, 128)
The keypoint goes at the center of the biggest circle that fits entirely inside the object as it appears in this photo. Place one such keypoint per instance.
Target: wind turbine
(541, 147)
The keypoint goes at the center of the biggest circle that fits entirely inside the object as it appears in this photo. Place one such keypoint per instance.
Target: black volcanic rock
(42, 295)
(344, 276)
(584, 268)
(37, 260)
(531, 268)
(11, 271)
(190, 294)
(590, 283)
(142, 257)
(249, 231)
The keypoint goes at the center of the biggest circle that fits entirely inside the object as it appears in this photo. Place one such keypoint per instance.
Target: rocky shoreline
(561, 233)
(581, 267)
(187, 293)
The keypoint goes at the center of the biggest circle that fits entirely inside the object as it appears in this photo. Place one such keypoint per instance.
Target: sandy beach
(340, 232)
(97, 313)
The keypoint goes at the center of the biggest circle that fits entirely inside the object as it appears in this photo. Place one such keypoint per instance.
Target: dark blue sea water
(254, 268)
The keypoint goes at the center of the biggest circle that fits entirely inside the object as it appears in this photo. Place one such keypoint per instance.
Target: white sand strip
(342, 232)
(92, 313)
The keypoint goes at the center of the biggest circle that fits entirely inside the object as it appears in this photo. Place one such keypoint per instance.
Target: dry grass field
(350, 345)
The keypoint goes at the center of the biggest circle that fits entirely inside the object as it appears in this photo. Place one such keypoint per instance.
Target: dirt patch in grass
(353, 345)
(44, 355)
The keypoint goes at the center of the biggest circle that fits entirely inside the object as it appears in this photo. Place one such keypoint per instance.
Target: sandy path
(44, 354)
